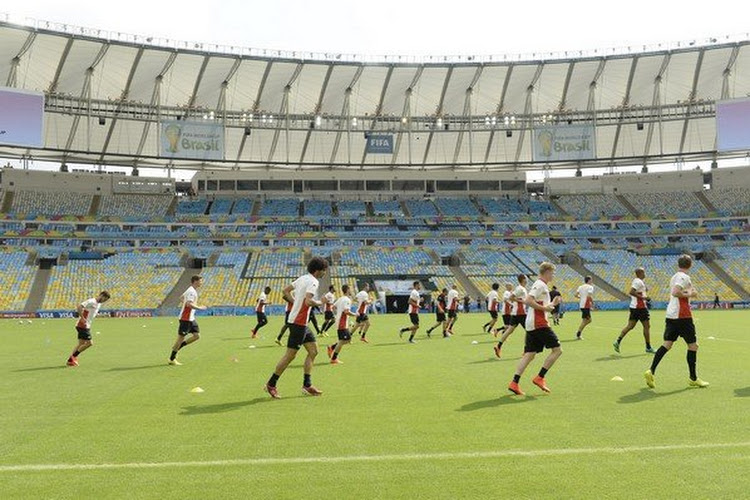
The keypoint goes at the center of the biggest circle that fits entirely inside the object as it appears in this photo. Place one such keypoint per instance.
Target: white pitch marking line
(375, 458)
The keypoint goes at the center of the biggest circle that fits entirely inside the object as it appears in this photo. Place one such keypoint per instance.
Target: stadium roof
(107, 92)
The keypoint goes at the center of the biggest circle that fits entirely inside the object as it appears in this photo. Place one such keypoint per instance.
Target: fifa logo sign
(564, 143)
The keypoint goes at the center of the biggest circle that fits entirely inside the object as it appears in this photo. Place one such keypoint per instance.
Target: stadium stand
(136, 279)
(134, 206)
(285, 207)
(730, 201)
(50, 203)
(592, 206)
(673, 205)
(15, 279)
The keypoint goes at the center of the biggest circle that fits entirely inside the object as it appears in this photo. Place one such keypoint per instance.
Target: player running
(679, 323)
(260, 311)
(493, 305)
(554, 294)
(414, 304)
(343, 309)
(452, 309)
(585, 295)
(638, 311)
(330, 320)
(305, 288)
(507, 308)
(363, 320)
(517, 314)
(539, 335)
(188, 325)
(440, 306)
(87, 311)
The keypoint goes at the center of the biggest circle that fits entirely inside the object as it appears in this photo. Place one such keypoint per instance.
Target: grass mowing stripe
(376, 458)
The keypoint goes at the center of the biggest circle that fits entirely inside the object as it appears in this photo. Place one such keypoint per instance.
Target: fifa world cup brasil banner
(192, 140)
(564, 143)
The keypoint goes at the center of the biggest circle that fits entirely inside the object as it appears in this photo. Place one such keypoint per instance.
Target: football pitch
(431, 420)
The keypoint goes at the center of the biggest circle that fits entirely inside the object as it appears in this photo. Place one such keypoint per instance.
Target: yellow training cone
(196, 390)
(616, 378)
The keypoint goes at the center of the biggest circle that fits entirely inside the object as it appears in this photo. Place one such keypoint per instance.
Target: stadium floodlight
(506, 120)
(318, 121)
(404, 120)
(354, 122)
(513, 120)
(439, 123)
(494, 121)
(270, 118)
(263, 119)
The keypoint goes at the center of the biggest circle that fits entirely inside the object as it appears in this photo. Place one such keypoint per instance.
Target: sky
(407, 27)
(390, 27)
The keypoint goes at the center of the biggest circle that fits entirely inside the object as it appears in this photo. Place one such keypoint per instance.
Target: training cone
(616, 378)
(196, 390)
(474, 342)
(251, 347)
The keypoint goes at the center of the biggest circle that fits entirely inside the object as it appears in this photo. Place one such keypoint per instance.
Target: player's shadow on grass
(614, 357)
(131, 368)
(41, 368)
(226, 407)
(646, 394)
(509, 399)
(491, 360)
(742, 393)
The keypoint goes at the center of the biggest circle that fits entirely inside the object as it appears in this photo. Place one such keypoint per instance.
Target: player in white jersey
(188, 325)
(452, 299)
(87, 311)
(342, 310)
(585, 296)
(305, 289)
(539, 335)
(638, 310)
(363, 305)
(679, 323)
(507, 308)
(415, 302)
(328, 311)
(493, 306)
(260, 311)
(517, 312)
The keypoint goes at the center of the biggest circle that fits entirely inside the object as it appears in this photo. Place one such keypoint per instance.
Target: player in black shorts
(639, 304)
(539, 335)
(414, 305)
(440, 304)
(260, 312)
(679, 323)
(518, 297)
(553, 294)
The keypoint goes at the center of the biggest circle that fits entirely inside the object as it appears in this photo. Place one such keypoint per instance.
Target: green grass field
(431, 420)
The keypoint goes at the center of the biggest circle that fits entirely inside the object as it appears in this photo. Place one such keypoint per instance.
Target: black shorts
(556, 310)
(83, 333)
(518, 320)
(451, 313)
(586, 313)
(361, 318)
(682, 327)
(299, 335)
(187, 327)
(493, 314)
(261, 317)
(329, 315)
(539, 339)
(440, 317)
(414, 318)
(639, 315)
(506, 319)
(345, 334)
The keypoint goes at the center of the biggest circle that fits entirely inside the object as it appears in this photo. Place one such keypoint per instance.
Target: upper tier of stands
(668, 205)
(135, 206)
(592, 206)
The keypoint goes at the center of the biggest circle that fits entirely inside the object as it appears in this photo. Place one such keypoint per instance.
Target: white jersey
(453, 300)
(414, 297)
(187, 313)
(331, 299)
(536, 319)
(492, 300)
(362, 298)
(89, 312)
(300, 313)
(638, 302)
(342, 305)
(586, 296)
(519, 305)
(679, 307)
(507, 303)
(261, 305)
